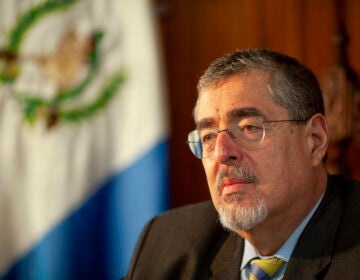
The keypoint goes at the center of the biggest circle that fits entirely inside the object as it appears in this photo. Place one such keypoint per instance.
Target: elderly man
(262, 137)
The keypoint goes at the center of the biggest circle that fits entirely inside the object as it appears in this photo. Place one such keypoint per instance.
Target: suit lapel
(226, 264)
(312, 254)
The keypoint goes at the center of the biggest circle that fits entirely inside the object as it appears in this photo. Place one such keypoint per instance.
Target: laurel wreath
(53, 107)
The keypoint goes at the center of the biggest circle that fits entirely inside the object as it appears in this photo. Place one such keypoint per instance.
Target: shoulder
(347, 191)
(343, 198)
(192, 214)
(173, 243)
(184, 225)
(347, 246)
(347, 188)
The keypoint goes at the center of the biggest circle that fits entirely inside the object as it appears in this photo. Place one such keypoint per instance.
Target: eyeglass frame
(232, 135)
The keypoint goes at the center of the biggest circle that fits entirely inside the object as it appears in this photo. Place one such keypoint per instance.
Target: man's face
(265, 181)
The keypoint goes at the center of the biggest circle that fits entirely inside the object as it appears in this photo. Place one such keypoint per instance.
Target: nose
(226, 150)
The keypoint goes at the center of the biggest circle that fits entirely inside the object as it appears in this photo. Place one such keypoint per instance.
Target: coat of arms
(49, 78)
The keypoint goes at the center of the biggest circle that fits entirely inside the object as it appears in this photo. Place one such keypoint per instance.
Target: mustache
(239, 172)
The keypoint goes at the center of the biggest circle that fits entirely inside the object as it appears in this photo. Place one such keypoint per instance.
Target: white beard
(236, 214)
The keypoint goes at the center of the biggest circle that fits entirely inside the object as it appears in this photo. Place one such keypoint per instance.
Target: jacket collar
(313, 253)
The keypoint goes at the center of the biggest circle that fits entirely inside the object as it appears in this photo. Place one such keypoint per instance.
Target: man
(262, 137)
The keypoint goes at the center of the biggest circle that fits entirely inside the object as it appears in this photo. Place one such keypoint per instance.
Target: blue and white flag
(83, 136)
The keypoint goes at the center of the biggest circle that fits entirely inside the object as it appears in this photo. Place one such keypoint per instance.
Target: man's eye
(208, 138)
(250, 128)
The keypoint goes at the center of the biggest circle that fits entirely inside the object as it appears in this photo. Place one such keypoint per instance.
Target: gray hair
(292, 85)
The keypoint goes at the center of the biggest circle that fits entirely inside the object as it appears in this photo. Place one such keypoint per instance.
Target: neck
(270, 235)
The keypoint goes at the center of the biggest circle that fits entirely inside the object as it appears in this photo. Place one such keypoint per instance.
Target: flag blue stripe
(96, 241)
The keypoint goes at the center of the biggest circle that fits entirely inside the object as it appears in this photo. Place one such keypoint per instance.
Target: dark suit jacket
(189, 243)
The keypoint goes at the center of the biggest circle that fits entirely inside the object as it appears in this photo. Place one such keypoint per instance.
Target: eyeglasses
(247, 132)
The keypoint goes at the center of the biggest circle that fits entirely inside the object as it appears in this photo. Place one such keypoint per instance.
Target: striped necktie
(264, 269)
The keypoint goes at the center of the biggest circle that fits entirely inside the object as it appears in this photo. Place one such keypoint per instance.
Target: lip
(233, 185)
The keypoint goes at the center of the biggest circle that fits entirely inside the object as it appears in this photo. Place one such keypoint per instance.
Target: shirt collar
(287, 248)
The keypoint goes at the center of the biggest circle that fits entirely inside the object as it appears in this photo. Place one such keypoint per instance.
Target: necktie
(264, 269)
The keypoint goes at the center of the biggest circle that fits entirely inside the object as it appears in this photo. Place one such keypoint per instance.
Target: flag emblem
(65, 72)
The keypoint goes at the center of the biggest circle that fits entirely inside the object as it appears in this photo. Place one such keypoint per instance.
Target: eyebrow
(233, 114)
(245, 112)
(205, 123)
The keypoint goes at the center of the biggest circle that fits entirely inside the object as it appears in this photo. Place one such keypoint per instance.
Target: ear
(318, 138)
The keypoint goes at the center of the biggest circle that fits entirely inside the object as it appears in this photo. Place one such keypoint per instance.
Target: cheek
(210, 172)
(284, 166)
(287, 154)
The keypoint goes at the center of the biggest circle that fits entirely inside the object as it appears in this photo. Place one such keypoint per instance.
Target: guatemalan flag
(83, 136)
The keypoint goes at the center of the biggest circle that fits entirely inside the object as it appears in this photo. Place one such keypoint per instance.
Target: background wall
(194, 32)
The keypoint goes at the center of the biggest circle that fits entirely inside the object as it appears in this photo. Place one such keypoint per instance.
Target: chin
(239, 215)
